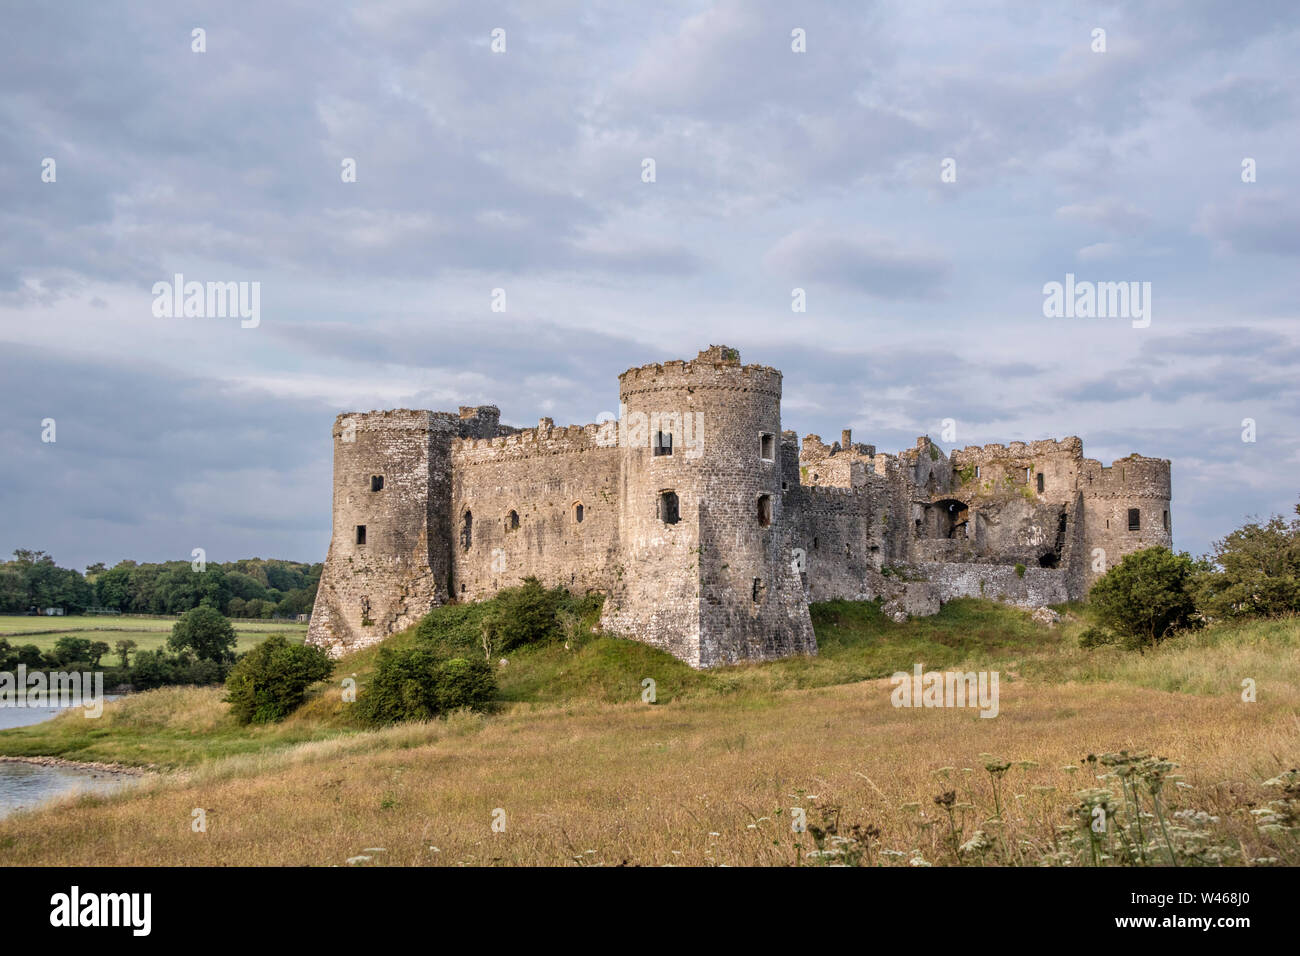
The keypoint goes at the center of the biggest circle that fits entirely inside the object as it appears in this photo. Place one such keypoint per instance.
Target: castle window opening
(361, 534)
(758, 590)
(376, 482)
(1027, 470)
(977, 471)
(663, 443)
(1166, 520)
(577, 512)
(767, 446)
(814, 542)
(1040, 482)
(765, 510)
(467, 531)
(1134, 519)
(512, 521)
(669, 507)
(785, 486)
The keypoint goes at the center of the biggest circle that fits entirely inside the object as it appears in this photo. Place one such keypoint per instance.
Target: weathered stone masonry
(707, 527)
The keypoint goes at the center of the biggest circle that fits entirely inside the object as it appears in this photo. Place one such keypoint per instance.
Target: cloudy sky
(522, 170)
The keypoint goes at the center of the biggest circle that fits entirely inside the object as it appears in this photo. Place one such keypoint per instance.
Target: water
(27, 785)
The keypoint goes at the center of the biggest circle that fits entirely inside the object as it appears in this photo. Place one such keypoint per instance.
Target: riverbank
(47, 761)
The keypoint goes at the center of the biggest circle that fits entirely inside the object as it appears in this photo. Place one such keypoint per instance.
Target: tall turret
(1126, 509)
(711, 576)
(389, 557)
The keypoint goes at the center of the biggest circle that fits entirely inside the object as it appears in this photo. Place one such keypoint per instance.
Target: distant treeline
(252, 587)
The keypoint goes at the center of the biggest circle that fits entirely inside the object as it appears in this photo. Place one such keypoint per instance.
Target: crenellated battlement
(717, 367)
(1071, 447)
(707, 525)
(545, 439)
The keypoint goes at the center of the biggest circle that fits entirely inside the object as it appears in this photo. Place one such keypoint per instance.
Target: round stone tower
(1126, 509)
(707, 566)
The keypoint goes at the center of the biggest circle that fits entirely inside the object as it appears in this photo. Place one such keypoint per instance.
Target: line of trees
(251, 587)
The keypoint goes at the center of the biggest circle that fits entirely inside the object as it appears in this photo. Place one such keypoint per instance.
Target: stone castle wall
(709, 528)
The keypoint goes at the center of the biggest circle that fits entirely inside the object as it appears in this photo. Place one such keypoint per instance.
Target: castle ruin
(709, 529)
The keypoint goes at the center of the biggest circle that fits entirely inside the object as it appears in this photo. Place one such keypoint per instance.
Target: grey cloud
(872, 265)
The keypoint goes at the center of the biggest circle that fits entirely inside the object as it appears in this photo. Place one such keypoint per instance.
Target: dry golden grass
(699, 781)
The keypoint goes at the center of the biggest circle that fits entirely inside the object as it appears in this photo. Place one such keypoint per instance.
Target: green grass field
(149, 633)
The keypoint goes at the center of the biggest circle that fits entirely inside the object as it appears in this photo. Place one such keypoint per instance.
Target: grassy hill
(586, 772)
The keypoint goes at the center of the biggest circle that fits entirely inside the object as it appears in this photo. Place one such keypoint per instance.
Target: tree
(271, 680)
(1254, 572)
(124, 649)
(69, 650)
(29, 655)
(112, 588)
(1146, 597)
(97, 651)
(13, 592)
(205, 632)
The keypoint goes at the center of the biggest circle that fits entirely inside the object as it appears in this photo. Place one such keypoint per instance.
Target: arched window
(577, 513)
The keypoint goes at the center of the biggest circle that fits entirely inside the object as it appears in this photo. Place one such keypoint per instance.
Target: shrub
(465, 683)
(152, 669)
(1020, 570)
(1254, 572)
(416, 683)
(1096, 637)
(69, 649)
(29, 655)
(160, 669)
(1146, 597)
(271, 680)
(204, 631)
(526, 615)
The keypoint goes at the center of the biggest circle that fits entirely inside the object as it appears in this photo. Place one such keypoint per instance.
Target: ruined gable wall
(542, 475)
(1003, 469)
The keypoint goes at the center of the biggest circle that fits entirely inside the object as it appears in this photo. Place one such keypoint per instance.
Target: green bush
(1146, 597)
(1254, 572)
(416, 683)
(456, 628)
(204, 631)
(526, 615)
(1096, 637)
(160, 669)
(69, 649)
(271, 680)
(465, 683)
